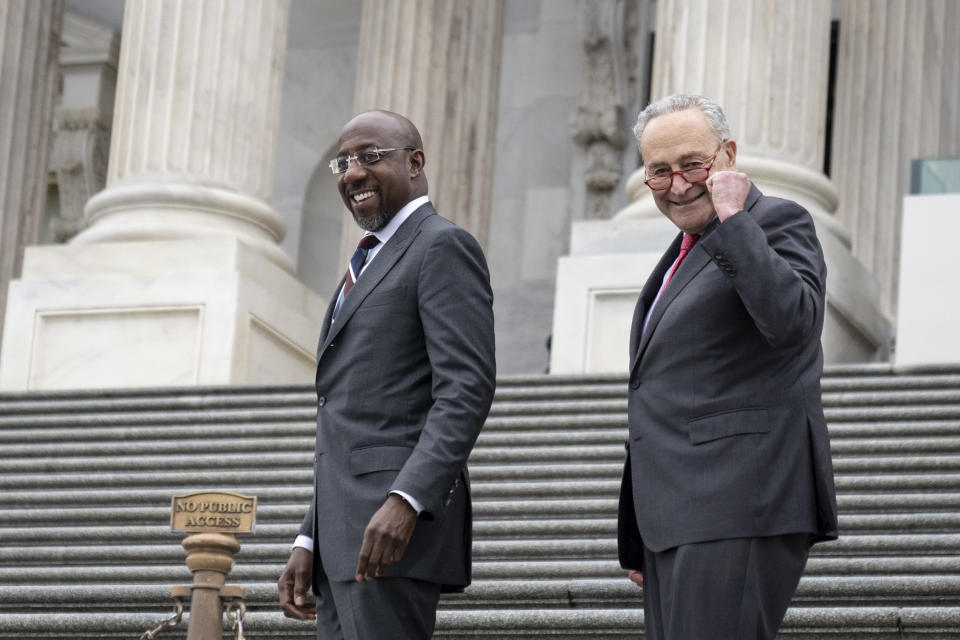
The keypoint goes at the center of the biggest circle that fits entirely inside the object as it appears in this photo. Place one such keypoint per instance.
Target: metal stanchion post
(212, 519)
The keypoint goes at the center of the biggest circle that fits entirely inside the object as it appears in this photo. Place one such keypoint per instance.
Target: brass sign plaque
(213, 512)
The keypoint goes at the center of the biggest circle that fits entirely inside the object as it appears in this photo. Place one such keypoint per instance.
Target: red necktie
(689, 239)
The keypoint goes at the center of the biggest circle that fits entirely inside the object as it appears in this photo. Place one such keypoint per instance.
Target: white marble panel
(593, 312)
(928, 305)
(608, 329)
(272, 358)
(117, 348)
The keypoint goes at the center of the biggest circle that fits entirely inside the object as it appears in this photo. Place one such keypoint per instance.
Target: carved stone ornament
(79, 155)
(598, 123)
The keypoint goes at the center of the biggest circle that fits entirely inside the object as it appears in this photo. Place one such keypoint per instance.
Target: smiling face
(676, 141)
(374, 193)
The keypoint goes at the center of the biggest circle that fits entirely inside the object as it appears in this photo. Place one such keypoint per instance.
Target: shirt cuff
(413, 502)
(305, 542)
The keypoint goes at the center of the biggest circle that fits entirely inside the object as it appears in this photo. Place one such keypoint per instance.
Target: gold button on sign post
(212, 518)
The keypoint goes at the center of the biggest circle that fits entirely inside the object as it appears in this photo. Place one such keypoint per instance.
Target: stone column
(766, 63)
(898, 98)
(178, 278)
(438, 63)
(29, 46)
(195, 125)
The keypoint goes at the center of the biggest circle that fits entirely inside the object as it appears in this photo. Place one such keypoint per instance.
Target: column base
(157, 313)
(169, 210)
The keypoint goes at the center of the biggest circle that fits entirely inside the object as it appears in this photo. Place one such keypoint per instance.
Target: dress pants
(736, 589)
(384, 608)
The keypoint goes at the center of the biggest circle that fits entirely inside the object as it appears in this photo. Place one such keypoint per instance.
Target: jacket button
(635, 383)
(321, 401)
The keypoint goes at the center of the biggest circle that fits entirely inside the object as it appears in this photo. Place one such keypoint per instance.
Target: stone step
(608, 440)
(805, 623)
(498, 558)
(57, 429)
(520, 427)
(288, 506)
(65, 534)
(852, 462)
(856, 407)
(854, 623)
(575, 585)
(43, 487)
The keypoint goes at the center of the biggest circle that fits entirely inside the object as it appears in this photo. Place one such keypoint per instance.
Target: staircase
(86, 480)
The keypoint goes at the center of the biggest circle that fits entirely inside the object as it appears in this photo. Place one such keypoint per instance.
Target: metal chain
(236, 617)
(169, 623)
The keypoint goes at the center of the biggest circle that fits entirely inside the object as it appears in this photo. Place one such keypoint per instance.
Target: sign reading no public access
(213, 512)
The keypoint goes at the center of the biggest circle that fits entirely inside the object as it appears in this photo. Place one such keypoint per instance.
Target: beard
(375, 223)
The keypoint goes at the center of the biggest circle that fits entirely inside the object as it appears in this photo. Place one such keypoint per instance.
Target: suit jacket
(727, 437)
(405, 379)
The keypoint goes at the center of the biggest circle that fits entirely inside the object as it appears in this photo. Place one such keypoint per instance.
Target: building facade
(194, 234)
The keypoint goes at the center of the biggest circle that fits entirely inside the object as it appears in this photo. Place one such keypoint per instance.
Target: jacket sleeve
(775, 262)
(456, 311)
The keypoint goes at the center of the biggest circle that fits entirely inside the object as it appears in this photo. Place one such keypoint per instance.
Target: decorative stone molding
(79, 157)
(607, 78)
(81, 139)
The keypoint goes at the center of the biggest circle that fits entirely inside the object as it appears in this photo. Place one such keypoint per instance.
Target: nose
(354, 171)
(679, 184)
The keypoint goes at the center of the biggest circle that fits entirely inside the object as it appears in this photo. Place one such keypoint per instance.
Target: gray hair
(682, 102)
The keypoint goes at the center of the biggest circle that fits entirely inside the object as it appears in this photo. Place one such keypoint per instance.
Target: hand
(728, 190)
(293, 583)
(636, 577)
(386, 537)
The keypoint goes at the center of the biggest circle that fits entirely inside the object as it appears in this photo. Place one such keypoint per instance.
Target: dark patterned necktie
(353, 269)
(356, 262)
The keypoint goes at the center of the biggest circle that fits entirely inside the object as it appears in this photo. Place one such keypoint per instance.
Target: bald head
(402, 131)
(374, 192)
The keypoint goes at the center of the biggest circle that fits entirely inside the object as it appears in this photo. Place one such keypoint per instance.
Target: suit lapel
(648, 294)
(695, 261)
(385, 259)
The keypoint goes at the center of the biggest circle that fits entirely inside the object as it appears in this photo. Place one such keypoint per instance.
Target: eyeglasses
(663, 181)
(340, 164)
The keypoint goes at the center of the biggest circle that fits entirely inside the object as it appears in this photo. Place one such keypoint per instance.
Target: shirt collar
(391, 227)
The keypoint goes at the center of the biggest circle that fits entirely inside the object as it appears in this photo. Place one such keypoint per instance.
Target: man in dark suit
(728, 479)
(405, 379)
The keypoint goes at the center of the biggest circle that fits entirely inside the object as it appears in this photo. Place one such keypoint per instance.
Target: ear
(416, 161)
(730, 153)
